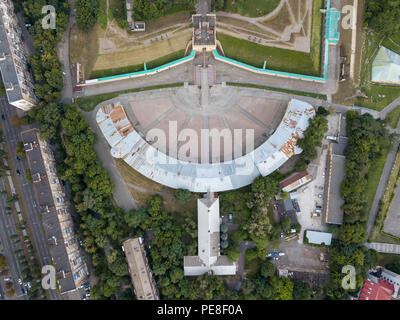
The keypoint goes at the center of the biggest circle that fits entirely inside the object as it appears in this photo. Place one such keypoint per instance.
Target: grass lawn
(379, 96)
(138, 54)
(251, 8)
(151, 187)
(377, 232)
(89, 103)
(386, 258)
(393, 117)
(316, 33)
(102, 15)
(374, 176)
(139, 67)
(392, 43)
(84, 46)
(132, 176)
(279, 59)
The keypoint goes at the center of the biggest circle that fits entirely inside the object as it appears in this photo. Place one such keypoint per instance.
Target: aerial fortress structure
(126, 143)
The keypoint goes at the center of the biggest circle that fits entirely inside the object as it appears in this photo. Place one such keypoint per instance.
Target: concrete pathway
(384, 247)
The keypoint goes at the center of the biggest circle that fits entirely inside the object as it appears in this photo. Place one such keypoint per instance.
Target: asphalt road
(63, 55)
(7, 228)
(12, 136)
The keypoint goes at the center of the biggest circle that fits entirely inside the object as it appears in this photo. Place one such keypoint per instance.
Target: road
(382, 183)
(7, 228)
(384, 247)
(122, 195)
(12, 136)
(63, 56)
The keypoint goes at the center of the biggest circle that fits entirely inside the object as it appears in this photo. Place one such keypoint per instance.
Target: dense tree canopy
(383, 16)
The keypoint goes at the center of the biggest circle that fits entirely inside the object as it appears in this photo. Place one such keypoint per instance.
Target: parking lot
(299, 257)
(311, 196)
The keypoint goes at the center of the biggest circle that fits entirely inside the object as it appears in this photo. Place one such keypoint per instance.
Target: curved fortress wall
(128, 145)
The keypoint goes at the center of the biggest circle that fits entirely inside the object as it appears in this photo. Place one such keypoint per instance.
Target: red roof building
(295, 181)
(380, 290)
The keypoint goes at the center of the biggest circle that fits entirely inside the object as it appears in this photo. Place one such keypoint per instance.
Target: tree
(233, 252)
(285, 223)
(267, 269)
(20, 150)
(383, 16)
(312, 137)
(268, 185)
(301, 165)
(302, 291)
(87, 11)
(3, 263)
(28, 175)
(283, 288)
(182, 196)
(176, 275)
(352, 233)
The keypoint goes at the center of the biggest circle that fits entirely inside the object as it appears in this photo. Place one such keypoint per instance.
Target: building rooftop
(139, 270)
(295, 181)
(13, 60)
(332, 21)
(129, 145)
(58, 230)
(379, 290)
(209, 258)
(317, 237)
(386, 67)
(204, 30)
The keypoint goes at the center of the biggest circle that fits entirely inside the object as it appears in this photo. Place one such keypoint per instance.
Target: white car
(281, 254)
(20, 281)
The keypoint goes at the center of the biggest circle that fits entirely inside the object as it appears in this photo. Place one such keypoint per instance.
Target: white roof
(203, 177)
(386, 67)
(317, 237)
(209, 258)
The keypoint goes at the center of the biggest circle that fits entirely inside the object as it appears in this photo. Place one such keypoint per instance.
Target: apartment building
(18, 81)
(55, 211)
(141, 276)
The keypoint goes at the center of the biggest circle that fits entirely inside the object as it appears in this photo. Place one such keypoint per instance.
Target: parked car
(7, 279)
(20, 281)
(230, 217)
(275, 258)
(18, 158)
(319, 207)
(18, 172)
(281, 254)
(320, 195)
(3, 117)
